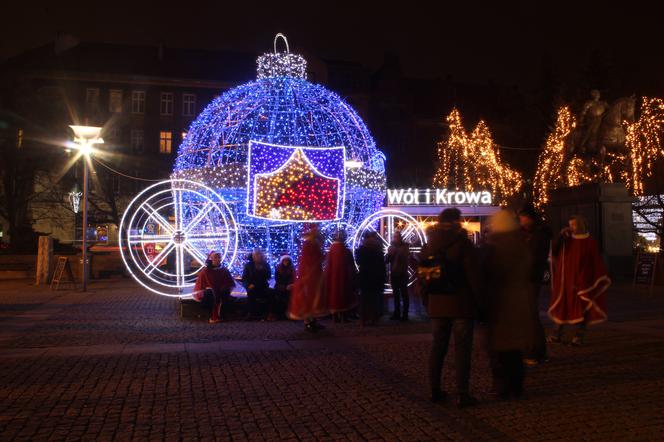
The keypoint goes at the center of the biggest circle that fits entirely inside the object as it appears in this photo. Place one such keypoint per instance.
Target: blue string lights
(282, 151)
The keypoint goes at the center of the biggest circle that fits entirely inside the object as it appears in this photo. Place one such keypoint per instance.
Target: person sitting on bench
(255, 278)
(213, 286)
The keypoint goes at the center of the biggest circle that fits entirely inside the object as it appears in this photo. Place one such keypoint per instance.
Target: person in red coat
(308, 299)
(579, 281)
(339, 279)
(213, 286)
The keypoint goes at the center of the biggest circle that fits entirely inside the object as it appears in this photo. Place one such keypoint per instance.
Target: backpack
(440, 275)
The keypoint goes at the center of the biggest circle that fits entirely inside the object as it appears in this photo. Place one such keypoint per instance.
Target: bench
(192, 309)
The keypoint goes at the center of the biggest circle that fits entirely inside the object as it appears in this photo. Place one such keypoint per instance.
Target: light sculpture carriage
(269, 156)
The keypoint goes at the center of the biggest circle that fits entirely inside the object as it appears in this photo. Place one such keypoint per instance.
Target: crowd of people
(321, 285)
(496, 283)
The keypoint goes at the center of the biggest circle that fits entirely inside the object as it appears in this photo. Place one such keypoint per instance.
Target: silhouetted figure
(398, 255)
(451, 300)
(511, 320)
(371, 278)
(284, 277)
(255, 279)
(538, 238)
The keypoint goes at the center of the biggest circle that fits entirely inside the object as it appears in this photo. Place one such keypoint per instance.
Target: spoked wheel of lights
(387, 221)
(168, 230)
(329, 232)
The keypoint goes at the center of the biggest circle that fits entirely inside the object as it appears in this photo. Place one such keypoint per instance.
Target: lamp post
(85, 137)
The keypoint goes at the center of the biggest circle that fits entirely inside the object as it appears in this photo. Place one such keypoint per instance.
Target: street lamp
(85, 137)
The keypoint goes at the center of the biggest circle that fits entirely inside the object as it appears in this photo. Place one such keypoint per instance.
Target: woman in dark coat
(371, 278)
(508, 267)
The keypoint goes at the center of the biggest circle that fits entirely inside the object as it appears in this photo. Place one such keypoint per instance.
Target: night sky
(468, 40)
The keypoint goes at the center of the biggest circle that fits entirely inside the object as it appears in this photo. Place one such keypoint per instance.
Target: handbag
(440, 275)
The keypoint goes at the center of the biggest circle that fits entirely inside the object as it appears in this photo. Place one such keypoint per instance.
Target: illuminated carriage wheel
(329, 232)
(385, 222)
(168, 230)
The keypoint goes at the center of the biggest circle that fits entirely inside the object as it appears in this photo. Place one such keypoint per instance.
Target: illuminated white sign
(438, 197)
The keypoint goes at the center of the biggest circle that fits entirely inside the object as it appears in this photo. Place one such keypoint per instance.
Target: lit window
(165, 141)
(115, 100)
(19, 138)
(92, 97)
(188, 104)
(138, 102)
(136, 140)
(166, 107)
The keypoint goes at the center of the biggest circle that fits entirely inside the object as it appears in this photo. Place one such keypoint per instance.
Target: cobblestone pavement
(118, 363)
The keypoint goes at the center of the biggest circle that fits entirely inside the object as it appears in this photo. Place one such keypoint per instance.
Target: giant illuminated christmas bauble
(283, 151)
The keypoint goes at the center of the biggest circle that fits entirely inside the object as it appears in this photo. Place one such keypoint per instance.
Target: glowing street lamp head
(86, 136)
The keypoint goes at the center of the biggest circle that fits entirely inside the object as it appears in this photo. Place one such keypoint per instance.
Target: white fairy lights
(281, 64)
(472, 162)
(281, 108)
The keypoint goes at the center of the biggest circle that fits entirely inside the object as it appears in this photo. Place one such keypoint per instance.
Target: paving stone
(120, 364)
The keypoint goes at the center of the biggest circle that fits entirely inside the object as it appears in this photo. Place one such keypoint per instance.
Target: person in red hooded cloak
(308, 298)
(339, 279)
(213, 286)
(579, 282)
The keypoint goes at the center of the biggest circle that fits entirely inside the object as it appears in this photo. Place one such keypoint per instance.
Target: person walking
(398, 254)
(213, 286)
(451, 298)
(255, 279)
(308, 299)
(339, 278)
(538, 238)
(511, 320)
(371, 278)
(579, 283)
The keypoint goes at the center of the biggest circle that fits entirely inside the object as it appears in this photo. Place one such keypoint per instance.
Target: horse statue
(612, 136)
(600, 127)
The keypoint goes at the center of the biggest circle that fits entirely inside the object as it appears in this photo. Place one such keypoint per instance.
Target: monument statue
(600, 129)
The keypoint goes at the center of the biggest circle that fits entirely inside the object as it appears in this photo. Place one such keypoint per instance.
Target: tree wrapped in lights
(551, 161)
(473, 162)
(644, 138)
(452, 170)
(556, 168)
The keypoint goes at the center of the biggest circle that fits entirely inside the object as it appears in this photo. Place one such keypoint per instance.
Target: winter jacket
(397, 256)
(256, 275)
(451, 240)
(508, 275)
(370, 260)
(538, 240)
